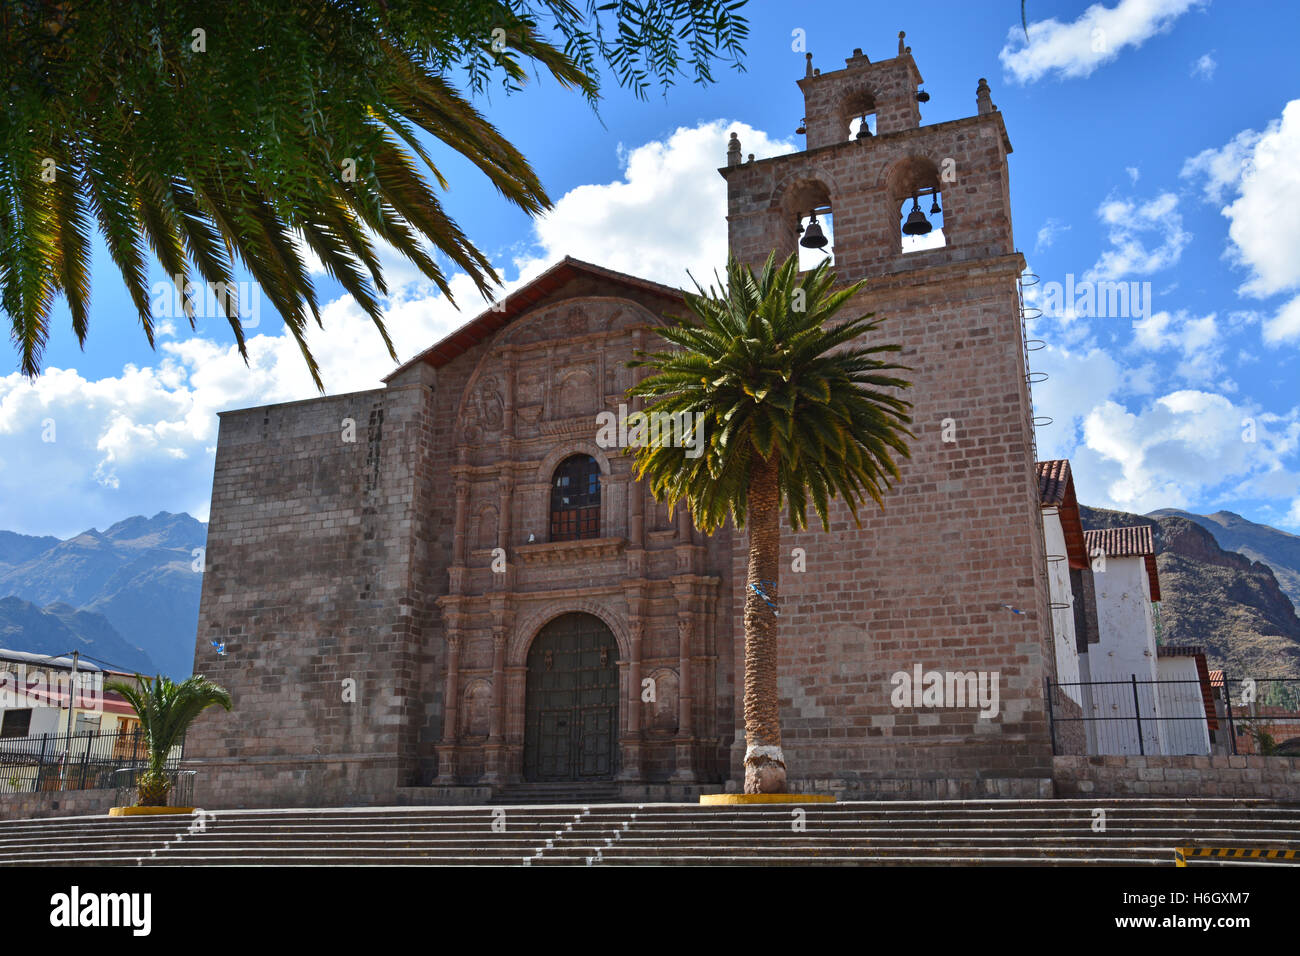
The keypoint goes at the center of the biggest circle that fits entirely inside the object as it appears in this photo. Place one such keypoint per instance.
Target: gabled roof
(1054, 481)
(516, 303)
(1056, 490)
(1134, 541)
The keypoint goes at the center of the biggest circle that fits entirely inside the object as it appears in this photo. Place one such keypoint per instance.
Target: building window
(575, 499)
(87, 724)
(16, 723)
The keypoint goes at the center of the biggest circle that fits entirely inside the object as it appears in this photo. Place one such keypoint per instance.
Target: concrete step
(1047, 832)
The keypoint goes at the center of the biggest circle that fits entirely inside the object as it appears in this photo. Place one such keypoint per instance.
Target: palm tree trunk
(764, 760)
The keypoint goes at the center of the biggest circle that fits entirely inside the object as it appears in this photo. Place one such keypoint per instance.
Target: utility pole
(72, 691)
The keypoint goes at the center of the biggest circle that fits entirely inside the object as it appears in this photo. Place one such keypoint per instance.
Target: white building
(35, 691)
(1066, 556)
(1184, 696)
(1123, 664)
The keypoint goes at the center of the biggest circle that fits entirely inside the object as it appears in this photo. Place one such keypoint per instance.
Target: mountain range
(59, 628)
(1280, 550)
(138, 575)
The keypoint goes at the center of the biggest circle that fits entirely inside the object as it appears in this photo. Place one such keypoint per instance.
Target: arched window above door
(575, 499)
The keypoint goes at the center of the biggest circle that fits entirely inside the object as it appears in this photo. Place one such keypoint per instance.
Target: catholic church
(447, 590)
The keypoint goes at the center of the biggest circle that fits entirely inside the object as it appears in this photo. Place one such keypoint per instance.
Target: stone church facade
(445, 589)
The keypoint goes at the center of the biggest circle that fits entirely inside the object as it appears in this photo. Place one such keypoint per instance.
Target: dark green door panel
(571, 709)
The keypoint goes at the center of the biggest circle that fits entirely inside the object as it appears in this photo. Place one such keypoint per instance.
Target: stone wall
(1274, 778)
(56, 803)
(927, 579)
(310, 566)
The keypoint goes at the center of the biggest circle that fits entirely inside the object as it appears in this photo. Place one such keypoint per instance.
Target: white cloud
(1048, 232)
(1134, 174)
(1078, 379)
(1198, 340)
(144, 440)
(1204, 67)
(665, 215)
(1292, 519)
(1128, 223)
(1262, 170)
(1285, 326)
(1178, 450)
(1098, 36)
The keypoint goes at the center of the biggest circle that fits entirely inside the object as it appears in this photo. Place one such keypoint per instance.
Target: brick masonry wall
(924, 580)
(308, 581)
(1069, 728)
(1275, 778)
(65, 803)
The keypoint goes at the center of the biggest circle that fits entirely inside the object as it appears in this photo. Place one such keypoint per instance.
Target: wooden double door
(571, 703)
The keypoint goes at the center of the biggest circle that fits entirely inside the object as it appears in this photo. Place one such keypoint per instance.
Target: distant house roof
(1134, 541)
(1184, 650)
(519, 301)
(1056, 490)
(108, 702)
(45, 660)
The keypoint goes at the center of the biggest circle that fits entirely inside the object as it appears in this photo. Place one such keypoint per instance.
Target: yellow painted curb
(146, 811)
(740, 799)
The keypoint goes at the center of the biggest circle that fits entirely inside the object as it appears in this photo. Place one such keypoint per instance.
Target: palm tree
(166, 710)
(212, 135)
(785, 408)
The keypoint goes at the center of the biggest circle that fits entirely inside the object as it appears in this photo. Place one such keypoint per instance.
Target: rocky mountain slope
(58, 629)
(1280, 550)
(139, 574)
(1232, 604)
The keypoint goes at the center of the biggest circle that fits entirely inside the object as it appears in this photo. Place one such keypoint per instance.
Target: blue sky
(1153, 142)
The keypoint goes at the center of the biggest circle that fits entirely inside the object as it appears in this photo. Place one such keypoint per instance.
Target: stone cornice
(562, 552)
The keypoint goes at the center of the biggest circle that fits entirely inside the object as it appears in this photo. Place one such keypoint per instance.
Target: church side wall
(312, 548)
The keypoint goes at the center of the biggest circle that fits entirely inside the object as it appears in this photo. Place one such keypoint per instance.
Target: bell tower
(931, 580)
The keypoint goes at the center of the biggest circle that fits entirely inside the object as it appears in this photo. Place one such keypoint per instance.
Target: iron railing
(179, 794)
(1170, 717)
(85, 761)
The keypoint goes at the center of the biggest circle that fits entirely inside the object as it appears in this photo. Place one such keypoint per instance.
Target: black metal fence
(84, 761)
(1173, 717)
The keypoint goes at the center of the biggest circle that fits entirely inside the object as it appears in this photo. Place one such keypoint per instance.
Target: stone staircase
(939, 833)
(558, 794)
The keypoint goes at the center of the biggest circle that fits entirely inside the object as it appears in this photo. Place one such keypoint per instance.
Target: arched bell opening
(808, 206)
(856, 111)
(917, 192)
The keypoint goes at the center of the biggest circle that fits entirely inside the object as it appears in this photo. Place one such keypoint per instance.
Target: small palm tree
(785, 408)
(166, 710)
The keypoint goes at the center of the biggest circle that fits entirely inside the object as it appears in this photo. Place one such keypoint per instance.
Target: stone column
(462, 522)
(450, 700)
(492, 753)
(635, 490)
(683, 523)
(631, 770)
(685, 772)
(506, 485)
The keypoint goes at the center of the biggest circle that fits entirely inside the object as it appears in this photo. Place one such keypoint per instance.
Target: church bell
(917, 224)
(813, 237)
